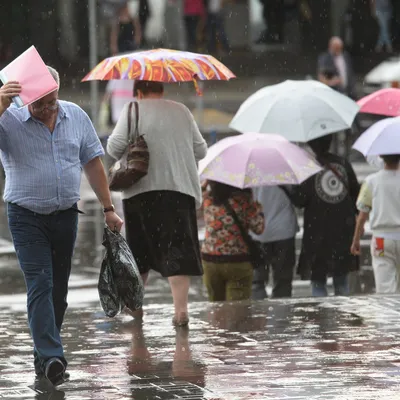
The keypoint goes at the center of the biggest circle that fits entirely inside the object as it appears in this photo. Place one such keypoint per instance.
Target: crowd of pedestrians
(328, 200)
(203, 20)
(46, 146)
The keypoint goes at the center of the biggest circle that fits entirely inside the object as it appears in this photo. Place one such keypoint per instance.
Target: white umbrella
(298, 110)
(385, 72)
(380, 139)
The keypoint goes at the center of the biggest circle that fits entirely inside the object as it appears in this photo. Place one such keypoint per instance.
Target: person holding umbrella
(233, 166)
(328, 200)
(379, 200)
(160, 209)
(228, 272)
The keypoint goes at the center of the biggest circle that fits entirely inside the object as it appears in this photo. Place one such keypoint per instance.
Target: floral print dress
(223, 241)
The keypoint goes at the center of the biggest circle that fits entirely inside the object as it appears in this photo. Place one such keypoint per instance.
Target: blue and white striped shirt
(44, 169)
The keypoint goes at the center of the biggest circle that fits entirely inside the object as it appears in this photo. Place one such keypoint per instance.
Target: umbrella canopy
(381, 138)
(160, 65)
(382, 102)
(298, 110)
(253, 160)
(385, 72)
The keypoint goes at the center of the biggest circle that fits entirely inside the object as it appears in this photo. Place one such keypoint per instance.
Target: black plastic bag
(120, 283)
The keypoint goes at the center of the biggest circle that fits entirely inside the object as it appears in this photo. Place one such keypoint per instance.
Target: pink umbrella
(253, 159)
(383, 102)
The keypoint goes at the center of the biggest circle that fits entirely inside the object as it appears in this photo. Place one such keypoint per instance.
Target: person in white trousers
(379, 199)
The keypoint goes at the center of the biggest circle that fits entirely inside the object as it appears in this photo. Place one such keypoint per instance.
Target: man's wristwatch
(109, 209)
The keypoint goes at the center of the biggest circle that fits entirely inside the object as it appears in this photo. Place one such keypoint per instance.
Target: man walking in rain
(44, 147)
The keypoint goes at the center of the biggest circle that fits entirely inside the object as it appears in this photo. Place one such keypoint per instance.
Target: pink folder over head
(31, 72)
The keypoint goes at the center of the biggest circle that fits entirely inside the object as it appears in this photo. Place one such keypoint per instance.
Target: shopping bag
(108, 293)
(120, 283)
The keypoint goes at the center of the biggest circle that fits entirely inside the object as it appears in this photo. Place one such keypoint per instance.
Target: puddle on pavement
(277, 349)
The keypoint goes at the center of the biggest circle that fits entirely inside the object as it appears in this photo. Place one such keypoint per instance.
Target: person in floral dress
(228, 272)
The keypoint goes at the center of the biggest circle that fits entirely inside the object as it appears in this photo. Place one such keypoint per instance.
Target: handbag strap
(136, 134)
(245, 235)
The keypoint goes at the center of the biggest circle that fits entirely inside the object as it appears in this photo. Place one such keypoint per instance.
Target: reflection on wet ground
(336, 348)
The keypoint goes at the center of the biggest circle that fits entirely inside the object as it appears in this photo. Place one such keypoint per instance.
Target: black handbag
(134, 163)
(256, 249)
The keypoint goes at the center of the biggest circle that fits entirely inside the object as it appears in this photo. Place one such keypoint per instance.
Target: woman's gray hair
(54, 74)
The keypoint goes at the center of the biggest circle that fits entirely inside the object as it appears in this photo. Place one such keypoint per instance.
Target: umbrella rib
(287, 163)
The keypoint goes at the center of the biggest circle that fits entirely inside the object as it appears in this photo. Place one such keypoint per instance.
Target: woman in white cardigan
(160, 209)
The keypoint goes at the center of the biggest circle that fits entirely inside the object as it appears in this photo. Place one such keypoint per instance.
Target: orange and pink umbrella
(161, 65)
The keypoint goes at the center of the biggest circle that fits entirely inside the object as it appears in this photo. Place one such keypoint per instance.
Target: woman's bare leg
(180, 291)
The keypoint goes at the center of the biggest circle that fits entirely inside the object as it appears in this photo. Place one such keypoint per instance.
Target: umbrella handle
(199, 92)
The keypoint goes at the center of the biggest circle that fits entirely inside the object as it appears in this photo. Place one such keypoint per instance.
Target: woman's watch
(109, 209)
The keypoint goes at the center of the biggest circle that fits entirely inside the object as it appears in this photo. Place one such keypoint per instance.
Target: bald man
(335, 68)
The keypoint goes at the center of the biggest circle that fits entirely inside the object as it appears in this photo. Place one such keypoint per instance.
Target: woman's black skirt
(161, 230)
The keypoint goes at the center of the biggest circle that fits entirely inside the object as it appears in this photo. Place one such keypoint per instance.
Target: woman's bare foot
(137, 314)
(180, 290)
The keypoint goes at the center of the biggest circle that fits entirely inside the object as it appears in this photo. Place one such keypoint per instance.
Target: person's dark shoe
(55, 371)
(41, 375)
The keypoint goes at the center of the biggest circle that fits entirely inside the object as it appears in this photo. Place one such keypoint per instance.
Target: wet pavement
(336, 348)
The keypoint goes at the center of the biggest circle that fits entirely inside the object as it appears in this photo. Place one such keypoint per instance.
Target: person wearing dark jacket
(335, 68)
(329, 203)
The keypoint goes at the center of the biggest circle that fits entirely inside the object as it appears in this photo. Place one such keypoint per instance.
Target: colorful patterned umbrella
(161, 65)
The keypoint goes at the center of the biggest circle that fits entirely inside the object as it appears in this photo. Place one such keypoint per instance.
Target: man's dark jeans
(44, 246)
(282, 258)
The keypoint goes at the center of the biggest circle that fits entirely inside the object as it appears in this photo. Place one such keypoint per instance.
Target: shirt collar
(26, 115)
